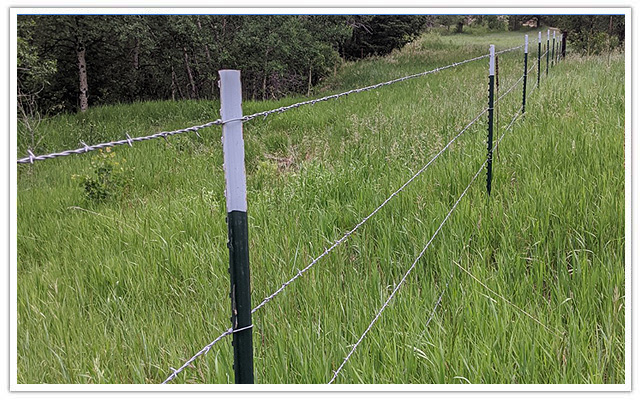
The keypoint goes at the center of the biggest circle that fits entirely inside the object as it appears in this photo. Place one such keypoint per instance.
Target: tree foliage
(591, 34)
(380, 34)
(131, 58)
(144, 57)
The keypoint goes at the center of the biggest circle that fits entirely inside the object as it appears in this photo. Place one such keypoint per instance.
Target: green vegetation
(121, 289)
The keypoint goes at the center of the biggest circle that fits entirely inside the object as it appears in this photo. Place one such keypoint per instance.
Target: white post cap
(233, 145)
(526, 43)
(539, 37)
(491, 59)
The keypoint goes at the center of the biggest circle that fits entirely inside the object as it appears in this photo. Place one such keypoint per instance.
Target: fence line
(333, 246)
(378, 314)
(129, 140)
(350, 232)
(31, 158)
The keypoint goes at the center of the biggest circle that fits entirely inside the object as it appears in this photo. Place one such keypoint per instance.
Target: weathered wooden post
(231, 113)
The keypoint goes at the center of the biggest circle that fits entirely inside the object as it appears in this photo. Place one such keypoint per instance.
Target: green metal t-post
(236, 193)
(547, 55)
(524, 75)
(490, 122)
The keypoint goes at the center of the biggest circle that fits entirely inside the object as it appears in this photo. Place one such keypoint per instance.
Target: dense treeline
(69, 62)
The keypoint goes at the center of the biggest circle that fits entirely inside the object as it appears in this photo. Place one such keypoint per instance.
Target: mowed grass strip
(120, 290)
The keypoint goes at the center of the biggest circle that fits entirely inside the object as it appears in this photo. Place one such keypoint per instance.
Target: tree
(105, 59)
(72, 40)
(33, 72)
(380, 34)
(591, 34)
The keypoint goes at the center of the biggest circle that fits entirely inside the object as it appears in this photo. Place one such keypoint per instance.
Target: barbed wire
(350, 232)
(555, 332)
(31, 158)
(380, 311)
(508, 50)
(279, 110)
(204, 350)
(334, 245)
(129, 140)
(447, 284)
(377, 209)
(532, 89)
(353, 349)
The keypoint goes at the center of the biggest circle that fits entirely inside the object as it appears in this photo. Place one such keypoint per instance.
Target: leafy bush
(109, 179)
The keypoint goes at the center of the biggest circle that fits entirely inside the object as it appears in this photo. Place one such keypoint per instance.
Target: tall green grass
(119, 291)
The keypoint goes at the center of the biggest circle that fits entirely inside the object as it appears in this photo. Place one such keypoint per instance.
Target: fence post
(236, 193)
(490, 123)
(496, 115)
(524, 74)
(547, 55)
(558, 49)
(538, 72)
(553, 45)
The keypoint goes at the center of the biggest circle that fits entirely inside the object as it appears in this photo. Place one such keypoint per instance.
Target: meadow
(524, 286)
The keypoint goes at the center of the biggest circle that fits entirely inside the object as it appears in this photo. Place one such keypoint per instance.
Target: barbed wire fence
(31, 158)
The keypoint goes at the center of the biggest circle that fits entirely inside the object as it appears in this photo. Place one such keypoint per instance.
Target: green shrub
(109, 179)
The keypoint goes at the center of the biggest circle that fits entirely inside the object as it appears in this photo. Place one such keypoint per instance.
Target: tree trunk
(193, 93)
(174, 85)
(82, 77)
(309, 83)
(136, 55)
(209, 63)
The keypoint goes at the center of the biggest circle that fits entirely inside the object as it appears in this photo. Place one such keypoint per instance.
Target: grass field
(532, 278)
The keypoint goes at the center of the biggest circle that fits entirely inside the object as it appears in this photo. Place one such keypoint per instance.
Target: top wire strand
(129, 140)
